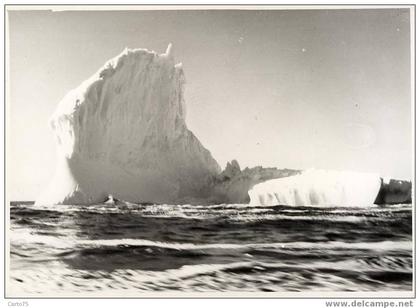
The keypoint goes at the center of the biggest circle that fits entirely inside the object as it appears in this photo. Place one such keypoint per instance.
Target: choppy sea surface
(128, 248)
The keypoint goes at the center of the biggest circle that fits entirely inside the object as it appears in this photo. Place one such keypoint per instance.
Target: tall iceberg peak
(123, 132)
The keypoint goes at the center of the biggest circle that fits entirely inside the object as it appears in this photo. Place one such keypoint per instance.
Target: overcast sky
(326, 89)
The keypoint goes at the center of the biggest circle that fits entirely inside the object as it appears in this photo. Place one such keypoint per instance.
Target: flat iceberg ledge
(319, 188)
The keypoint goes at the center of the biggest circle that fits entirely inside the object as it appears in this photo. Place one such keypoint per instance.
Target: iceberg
(331, 188)
(319, 187)
(233, 184)
(122, 132)
(394, 191)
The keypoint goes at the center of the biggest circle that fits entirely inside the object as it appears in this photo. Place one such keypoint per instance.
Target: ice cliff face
(122, 132)
(394, 191)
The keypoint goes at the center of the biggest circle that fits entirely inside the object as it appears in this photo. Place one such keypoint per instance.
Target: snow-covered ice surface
(319, 187)
(123, 132)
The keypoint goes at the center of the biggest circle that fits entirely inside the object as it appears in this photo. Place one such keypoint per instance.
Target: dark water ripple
(131, 248)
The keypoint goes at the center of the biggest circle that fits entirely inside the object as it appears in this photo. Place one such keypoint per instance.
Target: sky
(298, 89)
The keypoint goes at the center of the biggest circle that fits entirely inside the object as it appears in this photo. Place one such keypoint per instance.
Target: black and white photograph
(209, 151)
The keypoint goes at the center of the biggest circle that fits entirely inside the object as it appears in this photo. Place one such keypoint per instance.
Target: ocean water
(130, 249)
